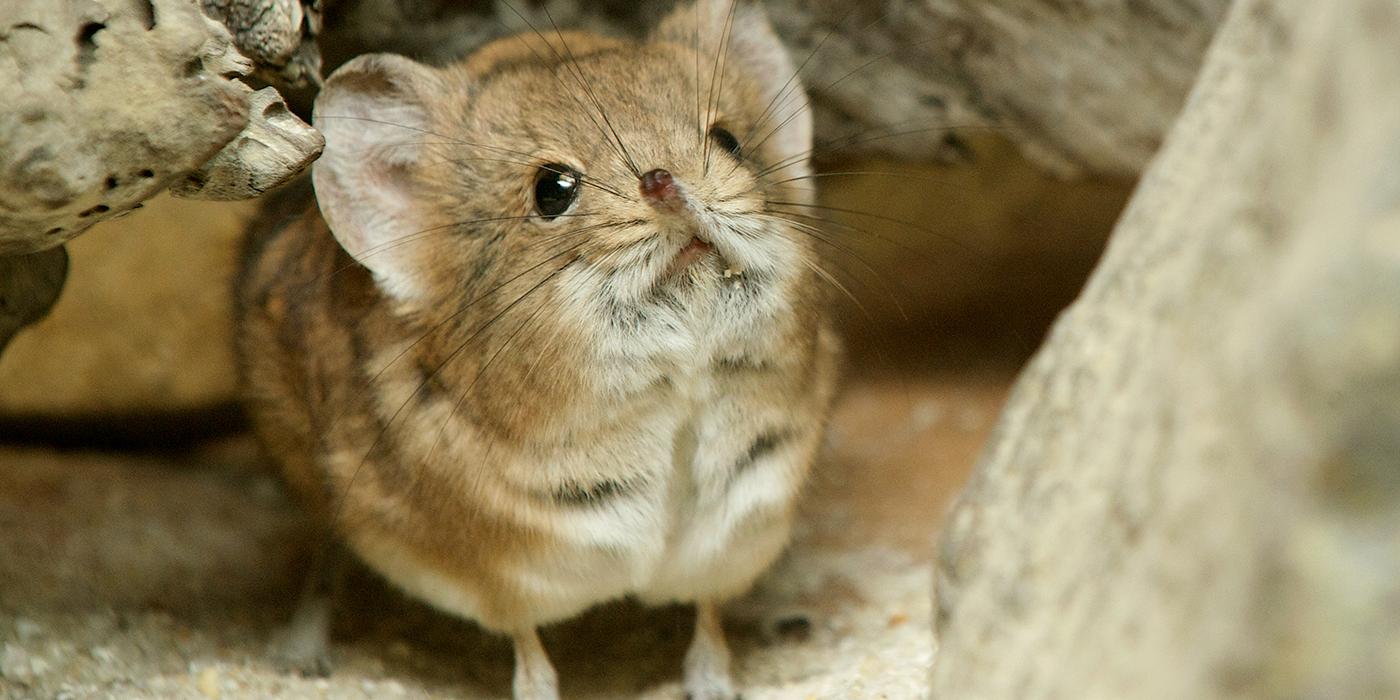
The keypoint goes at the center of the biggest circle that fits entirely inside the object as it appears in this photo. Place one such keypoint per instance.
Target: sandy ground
(164, 575)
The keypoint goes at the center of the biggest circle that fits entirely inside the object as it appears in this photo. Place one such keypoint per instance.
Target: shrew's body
(549, 341)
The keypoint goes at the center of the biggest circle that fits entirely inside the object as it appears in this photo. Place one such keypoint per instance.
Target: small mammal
(546, 343)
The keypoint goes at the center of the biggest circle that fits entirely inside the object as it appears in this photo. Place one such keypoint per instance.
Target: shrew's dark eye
(556, 188)
(724, 139)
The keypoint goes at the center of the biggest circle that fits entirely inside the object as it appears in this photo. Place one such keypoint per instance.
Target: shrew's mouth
(692, 251)
(698, 251)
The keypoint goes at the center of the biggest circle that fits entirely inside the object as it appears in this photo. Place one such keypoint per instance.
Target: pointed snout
(659, 189)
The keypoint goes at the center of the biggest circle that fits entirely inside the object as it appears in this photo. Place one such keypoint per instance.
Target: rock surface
(108, 103)
(279, 35)
(1195, 488)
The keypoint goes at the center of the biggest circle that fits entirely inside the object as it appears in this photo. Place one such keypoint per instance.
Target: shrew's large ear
(739, 29)
(373, 115)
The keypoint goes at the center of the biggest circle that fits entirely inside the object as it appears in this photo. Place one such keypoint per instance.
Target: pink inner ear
(373, 126)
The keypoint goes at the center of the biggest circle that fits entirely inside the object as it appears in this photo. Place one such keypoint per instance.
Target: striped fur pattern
(515, 418)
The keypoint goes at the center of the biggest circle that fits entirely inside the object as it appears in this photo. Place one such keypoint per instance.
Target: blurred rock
(1195, 489)
(143, 323)
(991, 247)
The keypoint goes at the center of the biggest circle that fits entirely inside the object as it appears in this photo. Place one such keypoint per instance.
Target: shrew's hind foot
(303, 646)
(707, 661)
(534, 674)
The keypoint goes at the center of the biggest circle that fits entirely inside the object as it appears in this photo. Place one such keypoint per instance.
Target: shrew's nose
(659, 188)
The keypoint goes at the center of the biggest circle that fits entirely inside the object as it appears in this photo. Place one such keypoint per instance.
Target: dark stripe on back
(765, 444)
(575, 494)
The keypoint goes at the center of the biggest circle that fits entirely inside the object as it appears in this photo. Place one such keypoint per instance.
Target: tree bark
(1193, 491)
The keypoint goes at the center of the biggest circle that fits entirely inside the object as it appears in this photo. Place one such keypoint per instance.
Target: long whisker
(831, 279)
(588, 90)
(878, 217)
(791, 83)
(700, 135)
(836, 144)
(797, 111)
(717, 75)
(457, 405)
(817, 235)
(614, 146)
(903, 175)
(584, 179)
(312, 284)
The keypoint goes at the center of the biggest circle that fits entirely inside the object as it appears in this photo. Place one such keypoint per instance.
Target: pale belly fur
(704, 512)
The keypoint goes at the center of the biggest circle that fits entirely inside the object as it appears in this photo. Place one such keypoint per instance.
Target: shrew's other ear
(373, 114)
(740, 30)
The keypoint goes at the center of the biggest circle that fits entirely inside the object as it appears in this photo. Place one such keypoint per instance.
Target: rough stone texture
(1194, 491)
(110, 102)
(106, 105)
(144, 323)
(1082, 86)
(279, 35)
(274, 148)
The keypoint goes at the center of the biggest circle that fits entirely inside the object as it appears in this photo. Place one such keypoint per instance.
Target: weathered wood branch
(1194, 491)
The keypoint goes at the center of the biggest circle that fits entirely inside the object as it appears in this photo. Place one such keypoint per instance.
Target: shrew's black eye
(556, 188)
(724, 139)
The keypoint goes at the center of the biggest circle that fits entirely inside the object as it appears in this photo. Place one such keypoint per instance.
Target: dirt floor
(164, 575)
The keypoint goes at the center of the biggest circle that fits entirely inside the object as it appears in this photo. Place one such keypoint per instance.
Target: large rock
(110, 102)
(1195, 489)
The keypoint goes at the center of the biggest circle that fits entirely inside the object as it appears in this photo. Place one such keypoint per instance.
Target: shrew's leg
(707, 661)
(534, 674)
(304, 644)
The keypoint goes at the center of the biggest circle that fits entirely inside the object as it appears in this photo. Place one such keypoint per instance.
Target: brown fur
(360, 393)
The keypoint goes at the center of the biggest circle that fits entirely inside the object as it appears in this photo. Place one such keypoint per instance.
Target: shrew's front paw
(707, 660)
(303, 646)
(300, 654)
